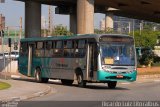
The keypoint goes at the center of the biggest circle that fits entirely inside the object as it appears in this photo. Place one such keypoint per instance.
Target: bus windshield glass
(118, 54)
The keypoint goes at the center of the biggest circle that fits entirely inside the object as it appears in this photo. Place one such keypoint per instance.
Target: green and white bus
(107, 58)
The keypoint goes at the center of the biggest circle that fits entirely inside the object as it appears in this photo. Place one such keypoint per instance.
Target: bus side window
(48, 49)
(58, 51)
(39, 49)
(80, 51)
(24, 49)
(68, 48)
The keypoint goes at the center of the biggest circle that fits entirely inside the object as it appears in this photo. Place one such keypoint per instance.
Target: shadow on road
(104, 87)
(25, 79)
(88, 86)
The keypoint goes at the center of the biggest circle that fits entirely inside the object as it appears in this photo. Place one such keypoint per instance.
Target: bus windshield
(117, 54)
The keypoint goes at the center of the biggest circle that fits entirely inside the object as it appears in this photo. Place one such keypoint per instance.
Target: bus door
(91, 60)
(30, 56)
(23, 58)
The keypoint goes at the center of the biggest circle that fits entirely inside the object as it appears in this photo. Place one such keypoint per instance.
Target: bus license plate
(119, 76)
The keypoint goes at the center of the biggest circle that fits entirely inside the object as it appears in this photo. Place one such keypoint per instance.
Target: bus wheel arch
(79, 76)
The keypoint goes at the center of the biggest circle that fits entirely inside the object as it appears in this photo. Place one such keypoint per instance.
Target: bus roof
(78, 36)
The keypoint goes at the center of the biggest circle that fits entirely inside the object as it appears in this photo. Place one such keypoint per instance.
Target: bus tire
(80, 81)
(38, 75)
(39, 78)
(66, 82)
(112, 84)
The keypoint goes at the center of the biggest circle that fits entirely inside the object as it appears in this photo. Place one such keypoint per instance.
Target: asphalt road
(137, 91)
(95, 94)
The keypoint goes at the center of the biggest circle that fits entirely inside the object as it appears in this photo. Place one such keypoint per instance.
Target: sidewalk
(23, 89)
(148, 78)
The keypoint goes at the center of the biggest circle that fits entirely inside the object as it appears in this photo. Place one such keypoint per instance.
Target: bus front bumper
(105, 76)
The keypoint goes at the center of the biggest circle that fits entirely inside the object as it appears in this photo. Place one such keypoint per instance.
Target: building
(2, 22)
(2, 1)
(157, 47)
(122, 24)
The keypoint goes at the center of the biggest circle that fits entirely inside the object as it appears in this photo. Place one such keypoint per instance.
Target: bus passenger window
(81, 50)
(48, 45)
(69, 49)
(39, 52)
(81, 44)
(59, 44)
(48, 50)
(58, 51)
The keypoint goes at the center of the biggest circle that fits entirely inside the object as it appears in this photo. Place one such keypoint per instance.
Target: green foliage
(4, 85)
(57, 31)
(97, 31)
(147, 38)
(147, 58)
(156, 59)
(61, 30)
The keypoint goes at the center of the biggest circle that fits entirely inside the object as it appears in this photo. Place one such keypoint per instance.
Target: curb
(37, 94)
(25, 97)
(148, 76)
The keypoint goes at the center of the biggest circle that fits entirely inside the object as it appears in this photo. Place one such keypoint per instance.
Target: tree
(147, 38)
(61, 30)
(108, 30)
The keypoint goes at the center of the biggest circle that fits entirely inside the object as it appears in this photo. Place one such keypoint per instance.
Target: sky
(13, 10)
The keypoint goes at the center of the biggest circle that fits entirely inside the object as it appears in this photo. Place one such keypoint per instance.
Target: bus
(89, 58)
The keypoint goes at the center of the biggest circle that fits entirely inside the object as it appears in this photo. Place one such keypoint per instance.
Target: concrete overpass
(82, 12)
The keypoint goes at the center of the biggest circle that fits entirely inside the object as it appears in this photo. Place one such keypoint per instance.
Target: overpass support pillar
(73, 23)
(109, 21)
(32, 19)
(85, 16)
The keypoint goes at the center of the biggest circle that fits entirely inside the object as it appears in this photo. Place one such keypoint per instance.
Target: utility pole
(2, 27)
(129, 27)
(45, 34)
(133, 25)
(20, 28)
(141, 27)
(50, 21)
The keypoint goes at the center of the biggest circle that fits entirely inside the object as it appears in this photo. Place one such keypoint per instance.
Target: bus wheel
(66, 82)
(81, 82)
(112, 84)
(38, 75)
(39, 78)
